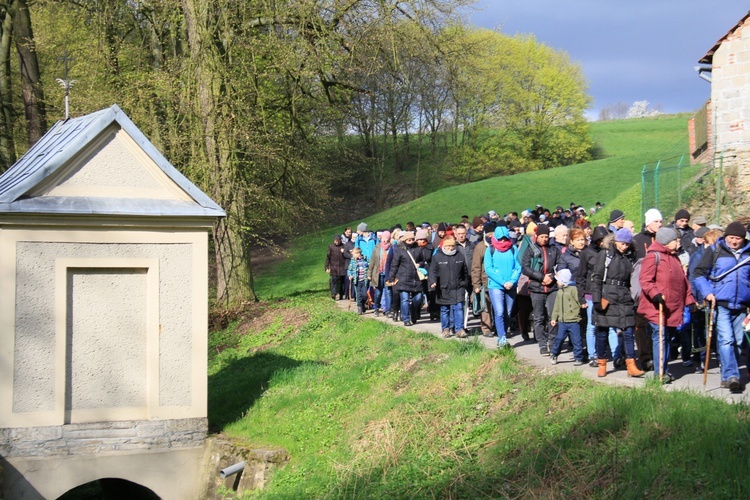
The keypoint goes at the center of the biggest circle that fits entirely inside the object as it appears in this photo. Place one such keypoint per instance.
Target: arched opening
(110, 488)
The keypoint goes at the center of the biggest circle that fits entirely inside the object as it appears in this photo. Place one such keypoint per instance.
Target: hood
(598, 234)
(501, 232)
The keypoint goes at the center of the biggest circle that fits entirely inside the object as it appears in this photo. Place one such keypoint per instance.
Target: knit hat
(385, 236)
(563, 276)
(682, 214)
(450, 240)
(489, 227)
(701, 232)
(362, 227)
(476, 222)
(624, 236)
(442, 227)
(615, 215)
(542, 229)
(735, 229)
(700, 220)
(406, 235)
(422, 234)
(652, 215)
(666, 235)
(336, 237)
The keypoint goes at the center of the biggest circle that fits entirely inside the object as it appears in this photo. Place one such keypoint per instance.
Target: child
(567, 311)
(357, 273)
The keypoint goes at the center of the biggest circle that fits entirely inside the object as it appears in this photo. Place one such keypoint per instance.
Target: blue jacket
(501, 267)
(367, 246)
(733, 290)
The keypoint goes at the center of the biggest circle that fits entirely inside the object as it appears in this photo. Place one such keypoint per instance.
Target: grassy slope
(368, 410)
(626, 144)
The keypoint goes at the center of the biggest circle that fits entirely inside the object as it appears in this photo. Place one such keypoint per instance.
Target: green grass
(368, 410)
(625, 144)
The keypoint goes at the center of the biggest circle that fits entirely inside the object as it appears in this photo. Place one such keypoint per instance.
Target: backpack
(635, 284)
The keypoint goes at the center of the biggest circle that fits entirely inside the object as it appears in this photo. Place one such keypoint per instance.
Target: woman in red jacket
(663, 284)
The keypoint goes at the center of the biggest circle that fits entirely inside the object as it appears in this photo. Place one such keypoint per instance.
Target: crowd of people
(637, 299)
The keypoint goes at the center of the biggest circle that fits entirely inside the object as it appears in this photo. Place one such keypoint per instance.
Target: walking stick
(708, 342)
(349, 307)
(661, 342)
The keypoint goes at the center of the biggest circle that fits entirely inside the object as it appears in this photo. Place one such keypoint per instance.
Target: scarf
(451, 253)
(501, 245)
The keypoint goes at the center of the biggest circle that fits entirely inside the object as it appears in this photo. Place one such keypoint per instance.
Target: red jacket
(666, 278)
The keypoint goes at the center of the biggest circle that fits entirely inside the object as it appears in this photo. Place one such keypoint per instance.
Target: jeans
(591, 334)
(409, 301)
(452, 316)
(574, 330)
(382, 298)
(729, 339)
(669, 331)
(604, 334)
(361, 294)
(502, 303)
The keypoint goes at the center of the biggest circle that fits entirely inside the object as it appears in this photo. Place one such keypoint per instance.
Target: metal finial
(65, 82)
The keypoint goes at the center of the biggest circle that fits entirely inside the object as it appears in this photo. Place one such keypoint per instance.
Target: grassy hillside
(369, 410)
(624, 144)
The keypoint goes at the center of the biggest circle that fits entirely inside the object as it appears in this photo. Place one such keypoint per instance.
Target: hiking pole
(708, 342)
(351, 284)
(661, 342)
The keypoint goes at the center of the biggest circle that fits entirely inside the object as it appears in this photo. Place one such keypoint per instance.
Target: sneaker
(461, 334)
(447, 333)
(553, 359)
(408, 323)
(618, 363)
(377, 313)
(593, 363)
(502, 343)
(579, 362)
(699, 368)
(668, 378)
(687, 362)
(544, 351)
(733, 384)
(488, 334)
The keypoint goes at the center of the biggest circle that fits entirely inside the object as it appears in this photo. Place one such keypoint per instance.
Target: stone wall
(102, 437)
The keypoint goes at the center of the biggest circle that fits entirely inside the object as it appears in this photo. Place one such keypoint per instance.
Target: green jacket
(567, 308)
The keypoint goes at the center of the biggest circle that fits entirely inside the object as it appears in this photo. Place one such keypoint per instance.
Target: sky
(629, 50)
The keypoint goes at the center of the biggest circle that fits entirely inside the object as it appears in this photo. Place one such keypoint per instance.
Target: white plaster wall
(106, 338)
(98, 168)
(33, 370)
(730, 89)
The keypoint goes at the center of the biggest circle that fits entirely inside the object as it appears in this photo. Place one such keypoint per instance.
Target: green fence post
(643, 189)
(656, 184)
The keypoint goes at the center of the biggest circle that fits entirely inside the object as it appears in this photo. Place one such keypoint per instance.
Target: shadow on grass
(235, 388)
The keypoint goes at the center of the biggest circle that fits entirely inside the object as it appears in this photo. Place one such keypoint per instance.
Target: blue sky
(630, 50)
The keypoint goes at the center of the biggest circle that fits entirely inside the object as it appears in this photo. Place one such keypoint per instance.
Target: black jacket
(641, 242)
(571, 260)
(620, 313)
(403, 269)
(549, 258)
(584, 276)
(450, 274)
(336, 261)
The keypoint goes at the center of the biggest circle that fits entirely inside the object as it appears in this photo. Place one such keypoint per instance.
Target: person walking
(406, 275)
(480, 280)
(538, 264)
(448, 277)
(358, 277)
(378, 274)
(503, 271)
(613, 305)
(584, 284)
(336, 267)
(566, 312)
(723, 278)
(665, 292)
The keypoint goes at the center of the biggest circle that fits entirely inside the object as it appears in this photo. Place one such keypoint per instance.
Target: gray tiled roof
(61, 143)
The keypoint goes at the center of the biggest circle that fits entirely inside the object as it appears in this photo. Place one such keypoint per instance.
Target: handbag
(523, 285)
(421, 272)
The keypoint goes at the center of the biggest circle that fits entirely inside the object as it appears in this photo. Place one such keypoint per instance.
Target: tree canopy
(279, 109)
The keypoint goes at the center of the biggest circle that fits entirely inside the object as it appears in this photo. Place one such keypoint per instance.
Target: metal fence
(671, 184)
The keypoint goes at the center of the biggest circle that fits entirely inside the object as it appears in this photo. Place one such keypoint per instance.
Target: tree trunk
(31, 84)
(7, 144)
(235, 282)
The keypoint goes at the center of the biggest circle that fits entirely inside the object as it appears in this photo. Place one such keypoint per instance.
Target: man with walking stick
(723, 278)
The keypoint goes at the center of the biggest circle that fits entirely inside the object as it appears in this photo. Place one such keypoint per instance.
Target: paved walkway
(528, 352)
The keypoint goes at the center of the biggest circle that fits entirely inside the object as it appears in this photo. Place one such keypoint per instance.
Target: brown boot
(602, 367)
(633, 370)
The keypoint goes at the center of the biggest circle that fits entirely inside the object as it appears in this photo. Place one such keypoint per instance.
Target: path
(528, 352)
